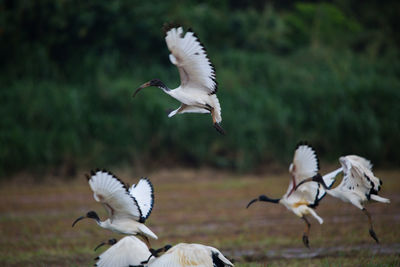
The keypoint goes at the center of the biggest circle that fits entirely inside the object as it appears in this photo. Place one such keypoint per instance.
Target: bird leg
(306, 232)
(371, 229)
(215, 123)
(173, 112)
(146, 240)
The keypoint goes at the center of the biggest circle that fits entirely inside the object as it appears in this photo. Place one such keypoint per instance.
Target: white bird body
(197, 92)
(185, 255)
(299, 201)
(127, 227)
(127, 208)
(359, 184)
(302, 201)
(195, 101)
(130, 251)
(299, 205)
(305, 164)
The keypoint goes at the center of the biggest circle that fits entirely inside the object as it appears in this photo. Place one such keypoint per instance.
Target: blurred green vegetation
(323, 71)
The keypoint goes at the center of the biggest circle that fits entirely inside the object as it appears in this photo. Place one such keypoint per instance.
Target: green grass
(197, 206)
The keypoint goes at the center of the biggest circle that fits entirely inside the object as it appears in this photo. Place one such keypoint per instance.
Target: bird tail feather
(380, 199)
(146, 231)
(217, 108)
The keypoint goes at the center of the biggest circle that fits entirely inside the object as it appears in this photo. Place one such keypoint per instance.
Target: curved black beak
(251, 202)
(77, 220)
(141, 87)
(109, 242)
(99, 246)
(263, 198)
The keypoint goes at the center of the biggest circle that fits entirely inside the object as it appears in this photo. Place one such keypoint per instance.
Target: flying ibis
(359, 185)
(198, 88)
(130, 251)
(127, 208)
(301, 202)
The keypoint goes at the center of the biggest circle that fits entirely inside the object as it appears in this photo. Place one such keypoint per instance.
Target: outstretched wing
(330, 178)
(360, 160)
(144, 194)
(305, 162)
(129, 251)
(113, 194)
(189, 55)
(305, 165)
(358, 176)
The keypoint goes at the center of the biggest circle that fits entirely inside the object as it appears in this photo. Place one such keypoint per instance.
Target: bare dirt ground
(199, 206)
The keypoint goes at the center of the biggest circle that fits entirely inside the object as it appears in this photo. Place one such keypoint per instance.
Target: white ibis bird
(129, 251)
(182, 255)
(127, 208)
(197, 92)
(359, 185)
(301, 202)
(132, 252)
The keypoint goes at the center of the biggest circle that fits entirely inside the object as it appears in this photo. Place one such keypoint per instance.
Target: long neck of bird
(163, 87)
(104, 224)
(267, 199)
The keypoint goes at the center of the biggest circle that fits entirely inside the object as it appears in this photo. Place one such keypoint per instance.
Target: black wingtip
(301, 143)
(167, 26)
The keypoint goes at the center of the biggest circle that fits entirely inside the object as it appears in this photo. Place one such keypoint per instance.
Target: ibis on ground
(198, 88)
(301, 202)
(130, 251)
(359, 185)
(128, 208)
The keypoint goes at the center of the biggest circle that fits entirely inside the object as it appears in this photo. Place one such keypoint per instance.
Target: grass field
(198, 206)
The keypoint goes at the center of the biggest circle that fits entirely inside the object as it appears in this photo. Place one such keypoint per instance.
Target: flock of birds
(308, 187)
(129, 207)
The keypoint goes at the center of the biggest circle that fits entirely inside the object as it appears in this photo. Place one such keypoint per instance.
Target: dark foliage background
(323, 71)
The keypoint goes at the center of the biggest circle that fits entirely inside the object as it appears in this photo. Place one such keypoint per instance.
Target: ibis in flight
(198, 88)
(302, 202)
(359, 185)
(131, 251)
(128, 208)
